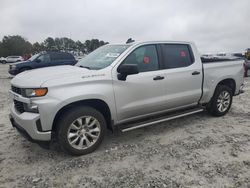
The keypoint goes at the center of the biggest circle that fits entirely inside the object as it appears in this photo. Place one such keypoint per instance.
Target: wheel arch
(230, 82)
(98, 104)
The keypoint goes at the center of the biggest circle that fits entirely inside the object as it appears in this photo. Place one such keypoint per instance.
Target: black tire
(66, 120)
(3, 62)
(212, 106)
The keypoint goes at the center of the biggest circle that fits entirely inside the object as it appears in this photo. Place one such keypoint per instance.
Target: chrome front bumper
(28, 122)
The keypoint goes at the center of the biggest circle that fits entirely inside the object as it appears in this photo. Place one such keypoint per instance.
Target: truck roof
(151, 42)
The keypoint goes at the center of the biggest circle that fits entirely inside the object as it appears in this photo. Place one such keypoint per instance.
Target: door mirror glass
(127, 69)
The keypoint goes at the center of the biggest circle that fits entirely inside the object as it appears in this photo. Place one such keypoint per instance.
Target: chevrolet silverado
(120, 87)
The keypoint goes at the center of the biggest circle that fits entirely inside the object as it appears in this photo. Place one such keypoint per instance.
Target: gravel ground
(195, 151)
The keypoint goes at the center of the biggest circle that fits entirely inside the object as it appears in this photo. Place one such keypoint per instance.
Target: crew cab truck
(120, 87)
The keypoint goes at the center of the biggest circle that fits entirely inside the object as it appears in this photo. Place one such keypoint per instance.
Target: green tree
(247, 54)
(59, 44)
(93, 44)
(80, 46)
(37, 47)
(69, 44)
(2, 50)
(49, 44)
(15, 45)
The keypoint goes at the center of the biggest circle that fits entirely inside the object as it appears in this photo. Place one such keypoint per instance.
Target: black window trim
(190, 51)
(158, 52)
(160, 56)
(191, 54)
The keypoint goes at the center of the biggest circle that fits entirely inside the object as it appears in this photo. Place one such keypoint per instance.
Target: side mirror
(38, 60)
(125, 70)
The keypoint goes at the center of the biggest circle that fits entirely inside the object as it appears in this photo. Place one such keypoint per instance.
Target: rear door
(56, 59)
(183, 75)
(69, 59)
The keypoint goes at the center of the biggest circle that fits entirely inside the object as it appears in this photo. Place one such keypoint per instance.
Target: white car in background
(2, 60)
(13, 59)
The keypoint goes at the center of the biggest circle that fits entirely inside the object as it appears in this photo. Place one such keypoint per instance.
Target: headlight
(12, 66)
(39, 92)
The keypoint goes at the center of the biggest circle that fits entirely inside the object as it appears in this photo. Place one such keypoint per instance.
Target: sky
(215, 26)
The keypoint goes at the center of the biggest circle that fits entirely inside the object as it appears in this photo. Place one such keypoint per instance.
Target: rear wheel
(221, 102)
(81, 130)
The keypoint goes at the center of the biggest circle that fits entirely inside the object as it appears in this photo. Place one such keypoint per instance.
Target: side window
(176, 56)
(145, 57)
(64, 56)
(68, 56)
(60, 56)
(44, 58)
(56, 57)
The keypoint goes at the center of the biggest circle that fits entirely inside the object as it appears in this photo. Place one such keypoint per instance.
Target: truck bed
(218, 69)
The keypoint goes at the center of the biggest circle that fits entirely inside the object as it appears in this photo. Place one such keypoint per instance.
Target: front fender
(63, 96)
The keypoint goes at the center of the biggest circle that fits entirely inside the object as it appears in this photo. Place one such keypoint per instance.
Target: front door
(142, 93)
(44, 60)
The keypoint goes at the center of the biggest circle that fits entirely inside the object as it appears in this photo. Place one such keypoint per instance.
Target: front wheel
(221, 102)
(81, 130)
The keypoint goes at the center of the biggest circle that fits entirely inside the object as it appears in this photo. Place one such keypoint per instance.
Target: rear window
(67, 56)
(176, 55)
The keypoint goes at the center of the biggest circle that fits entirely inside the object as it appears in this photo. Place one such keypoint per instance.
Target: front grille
(19, 106)
(16, 90)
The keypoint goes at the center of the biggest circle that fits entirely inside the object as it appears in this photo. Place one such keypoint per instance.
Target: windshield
(34, 57)
(102, 57)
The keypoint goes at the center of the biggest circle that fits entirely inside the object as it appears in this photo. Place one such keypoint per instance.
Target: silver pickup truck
(120, 87)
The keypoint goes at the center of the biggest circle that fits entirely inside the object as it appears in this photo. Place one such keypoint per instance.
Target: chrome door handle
(195, 73)
(158, 78)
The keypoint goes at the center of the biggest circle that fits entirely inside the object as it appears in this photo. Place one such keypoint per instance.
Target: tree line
(17, 45)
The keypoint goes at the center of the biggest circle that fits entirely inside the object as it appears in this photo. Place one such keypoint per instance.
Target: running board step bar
(160, 120)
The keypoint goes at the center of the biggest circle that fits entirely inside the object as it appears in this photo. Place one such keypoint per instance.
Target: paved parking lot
(195, 151)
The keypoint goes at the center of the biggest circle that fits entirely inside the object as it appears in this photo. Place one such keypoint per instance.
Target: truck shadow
(113, 142)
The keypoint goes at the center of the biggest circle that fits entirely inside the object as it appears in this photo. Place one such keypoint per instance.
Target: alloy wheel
(223, 101)
(84, 132)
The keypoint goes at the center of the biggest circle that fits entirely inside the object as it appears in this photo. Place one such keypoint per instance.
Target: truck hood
(20, 62)
(35, 78)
